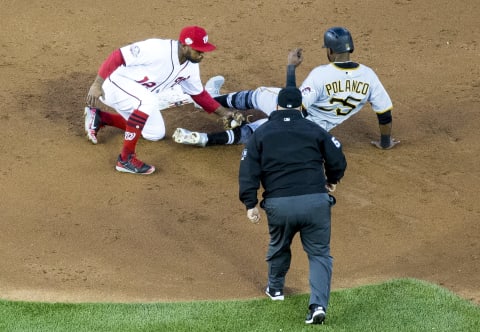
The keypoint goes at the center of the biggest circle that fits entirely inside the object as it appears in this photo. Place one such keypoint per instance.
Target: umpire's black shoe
(316, 314)
(275, 294)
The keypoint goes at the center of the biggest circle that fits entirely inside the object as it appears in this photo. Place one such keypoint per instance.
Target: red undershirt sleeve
(206, 101)
(114, 61)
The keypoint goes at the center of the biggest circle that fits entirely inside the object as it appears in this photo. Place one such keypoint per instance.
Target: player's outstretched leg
(184, 136)
(240, 100)
(227, 137)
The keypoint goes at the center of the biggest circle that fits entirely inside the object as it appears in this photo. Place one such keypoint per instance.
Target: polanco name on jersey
(347, 86)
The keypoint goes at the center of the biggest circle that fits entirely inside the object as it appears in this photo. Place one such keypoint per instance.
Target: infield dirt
(74, 229)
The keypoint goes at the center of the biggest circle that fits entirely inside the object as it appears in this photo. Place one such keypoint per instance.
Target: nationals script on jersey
(334, 92)
(154, 63)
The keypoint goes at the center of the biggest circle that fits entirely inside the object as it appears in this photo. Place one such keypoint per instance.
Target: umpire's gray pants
(310, 215)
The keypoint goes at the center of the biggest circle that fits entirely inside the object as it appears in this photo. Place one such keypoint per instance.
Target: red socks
(113, 119)
(133, 131)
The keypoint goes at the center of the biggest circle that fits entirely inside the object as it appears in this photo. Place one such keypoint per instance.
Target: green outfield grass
(399, 305)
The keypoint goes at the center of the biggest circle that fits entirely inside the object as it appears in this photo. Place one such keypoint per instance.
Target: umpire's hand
(253, 215)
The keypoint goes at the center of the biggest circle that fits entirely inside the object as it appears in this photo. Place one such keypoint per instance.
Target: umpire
(298, 164)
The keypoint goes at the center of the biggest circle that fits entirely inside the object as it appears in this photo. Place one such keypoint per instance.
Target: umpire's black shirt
(287, 155)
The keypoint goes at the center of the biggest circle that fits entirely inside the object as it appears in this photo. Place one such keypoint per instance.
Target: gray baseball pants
(310, 216)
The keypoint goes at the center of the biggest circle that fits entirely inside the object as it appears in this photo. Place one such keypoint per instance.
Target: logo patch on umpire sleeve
(244, 154)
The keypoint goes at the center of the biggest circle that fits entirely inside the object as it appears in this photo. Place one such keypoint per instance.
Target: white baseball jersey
(331, 94)
(154, 64)
(152, 74)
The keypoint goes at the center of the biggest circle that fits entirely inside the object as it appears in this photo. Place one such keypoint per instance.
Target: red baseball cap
(196, 38)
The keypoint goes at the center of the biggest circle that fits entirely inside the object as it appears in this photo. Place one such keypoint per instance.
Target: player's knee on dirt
(154, 129)
(153, 133)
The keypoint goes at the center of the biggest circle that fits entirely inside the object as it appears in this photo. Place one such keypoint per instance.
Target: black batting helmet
(338, 39)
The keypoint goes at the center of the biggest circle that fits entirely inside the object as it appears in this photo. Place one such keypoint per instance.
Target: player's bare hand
(295, 57)
(393, 142)
(95, 92)
(94, 95)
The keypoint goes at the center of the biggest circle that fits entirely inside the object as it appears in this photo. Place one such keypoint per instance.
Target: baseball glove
(234, 120)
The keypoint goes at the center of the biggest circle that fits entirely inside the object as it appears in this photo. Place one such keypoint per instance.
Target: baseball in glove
(234, 120)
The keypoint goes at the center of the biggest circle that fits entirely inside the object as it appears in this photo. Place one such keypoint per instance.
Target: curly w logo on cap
(197, 38)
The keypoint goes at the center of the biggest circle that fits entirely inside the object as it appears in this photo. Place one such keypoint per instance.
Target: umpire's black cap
(290, 97)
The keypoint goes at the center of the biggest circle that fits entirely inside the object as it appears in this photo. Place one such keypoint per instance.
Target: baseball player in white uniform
(141, 79)
(331, 93)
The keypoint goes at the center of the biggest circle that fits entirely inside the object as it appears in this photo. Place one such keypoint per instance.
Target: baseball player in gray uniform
(331, 93)
(138, 81)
